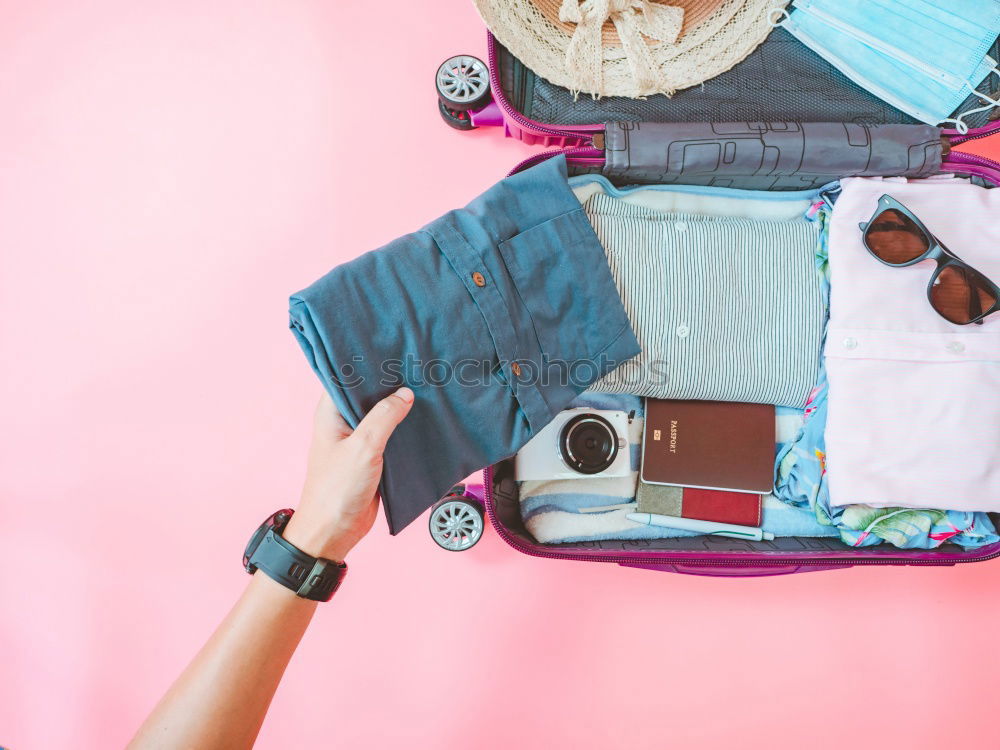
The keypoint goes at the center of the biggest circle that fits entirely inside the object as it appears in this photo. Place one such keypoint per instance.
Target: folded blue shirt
(496, 315)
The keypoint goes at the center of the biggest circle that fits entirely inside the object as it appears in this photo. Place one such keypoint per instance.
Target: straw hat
(629, 47)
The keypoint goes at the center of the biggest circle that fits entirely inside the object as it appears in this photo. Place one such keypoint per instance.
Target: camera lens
(588, 443)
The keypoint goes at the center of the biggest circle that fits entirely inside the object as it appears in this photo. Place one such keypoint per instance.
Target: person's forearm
(221, 698)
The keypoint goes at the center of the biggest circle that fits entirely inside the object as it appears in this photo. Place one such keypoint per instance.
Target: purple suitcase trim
(973, 166)
(577, 144)
(730, 564)
(520, 127)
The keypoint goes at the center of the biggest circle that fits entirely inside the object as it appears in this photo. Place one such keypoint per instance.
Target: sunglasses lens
(894, 239)
(960, 295)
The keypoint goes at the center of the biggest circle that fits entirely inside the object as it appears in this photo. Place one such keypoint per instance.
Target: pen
(701, 527)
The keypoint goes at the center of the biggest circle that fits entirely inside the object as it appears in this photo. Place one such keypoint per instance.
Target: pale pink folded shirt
(914, 401)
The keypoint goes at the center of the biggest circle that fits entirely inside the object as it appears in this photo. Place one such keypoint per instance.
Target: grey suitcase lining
(781, 80)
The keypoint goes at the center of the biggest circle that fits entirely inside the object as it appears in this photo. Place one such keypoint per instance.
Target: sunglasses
(956, 291)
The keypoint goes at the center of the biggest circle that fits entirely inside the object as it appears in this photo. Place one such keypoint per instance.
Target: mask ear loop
(959, 121)
(783, 15)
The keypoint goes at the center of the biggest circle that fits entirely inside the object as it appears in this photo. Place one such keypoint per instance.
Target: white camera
(577, 444)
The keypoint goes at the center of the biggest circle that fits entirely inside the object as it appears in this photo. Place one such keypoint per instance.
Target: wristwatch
(313, 578)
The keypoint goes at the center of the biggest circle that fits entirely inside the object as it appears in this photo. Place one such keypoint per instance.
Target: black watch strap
(310, 577)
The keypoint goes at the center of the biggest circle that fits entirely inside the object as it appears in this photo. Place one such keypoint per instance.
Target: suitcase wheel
(457, 120)
(463, 84)
(456, 521)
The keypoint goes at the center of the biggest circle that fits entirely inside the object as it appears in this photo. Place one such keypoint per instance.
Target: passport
(741, 508)
(709, 445)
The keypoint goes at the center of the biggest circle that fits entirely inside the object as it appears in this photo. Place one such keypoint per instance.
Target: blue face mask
(919, 57)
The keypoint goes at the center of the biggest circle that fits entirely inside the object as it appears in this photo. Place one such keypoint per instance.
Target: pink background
(169, 173)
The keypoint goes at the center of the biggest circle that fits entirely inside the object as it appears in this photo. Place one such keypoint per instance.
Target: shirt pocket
(562, 277)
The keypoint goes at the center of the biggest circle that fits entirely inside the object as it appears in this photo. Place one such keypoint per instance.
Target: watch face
(252, 545)
(275, 520)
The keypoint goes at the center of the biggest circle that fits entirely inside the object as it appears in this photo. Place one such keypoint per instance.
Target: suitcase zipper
(959, 158)
(983, 132)
(513, 114)
(580, 152)
(962, 157)
(637, 558)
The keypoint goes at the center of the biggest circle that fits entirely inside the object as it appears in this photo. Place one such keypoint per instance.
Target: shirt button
(516, 369)
(850, 343)
(956, 346)
(680, 226)
(683, 330)
(478, 279)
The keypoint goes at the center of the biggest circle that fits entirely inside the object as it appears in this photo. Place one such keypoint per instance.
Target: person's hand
(339, 502)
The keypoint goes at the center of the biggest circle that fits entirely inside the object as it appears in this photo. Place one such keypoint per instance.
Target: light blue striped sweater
(725, 309)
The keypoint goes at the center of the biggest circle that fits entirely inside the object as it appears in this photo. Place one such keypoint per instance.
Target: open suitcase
(779, 90)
